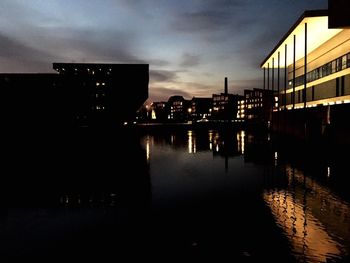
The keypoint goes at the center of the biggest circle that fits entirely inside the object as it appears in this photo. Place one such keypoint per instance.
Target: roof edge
(307, 13)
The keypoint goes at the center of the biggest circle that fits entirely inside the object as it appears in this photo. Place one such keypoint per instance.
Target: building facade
(314, 63)
(258, 104)
(310, 71)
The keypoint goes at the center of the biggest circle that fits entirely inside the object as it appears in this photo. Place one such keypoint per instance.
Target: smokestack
(226, 87)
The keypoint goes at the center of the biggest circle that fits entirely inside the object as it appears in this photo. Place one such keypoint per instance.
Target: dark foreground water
(170, 196)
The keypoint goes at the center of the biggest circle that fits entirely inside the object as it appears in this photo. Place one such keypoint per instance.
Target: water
(183, 195)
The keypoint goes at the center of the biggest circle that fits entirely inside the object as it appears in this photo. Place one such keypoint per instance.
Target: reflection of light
(191, 142)
(328, 171)
(276, 157)
(240, 141)
(302, 228)
(312, 217)
(147, 149)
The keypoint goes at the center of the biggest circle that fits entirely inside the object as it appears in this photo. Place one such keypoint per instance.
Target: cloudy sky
(191, 45)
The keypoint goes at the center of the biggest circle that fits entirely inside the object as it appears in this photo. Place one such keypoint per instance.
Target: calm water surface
(184, 195)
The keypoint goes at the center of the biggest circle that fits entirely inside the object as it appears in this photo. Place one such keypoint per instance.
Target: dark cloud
(162, 76)
(213, 16)
(189, 60)
(18, 57)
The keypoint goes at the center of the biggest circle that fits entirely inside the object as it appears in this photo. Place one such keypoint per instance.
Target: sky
(190, 45)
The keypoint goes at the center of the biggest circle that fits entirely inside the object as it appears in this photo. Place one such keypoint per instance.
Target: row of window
(334, 66)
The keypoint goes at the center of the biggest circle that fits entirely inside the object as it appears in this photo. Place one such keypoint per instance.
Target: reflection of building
(103, 94)
(201, 108)
(315, 221)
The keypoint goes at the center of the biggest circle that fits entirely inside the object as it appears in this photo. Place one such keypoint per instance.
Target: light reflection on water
(315, 220)
(310, 215)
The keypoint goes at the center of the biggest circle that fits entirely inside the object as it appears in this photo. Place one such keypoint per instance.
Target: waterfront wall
(328, 124)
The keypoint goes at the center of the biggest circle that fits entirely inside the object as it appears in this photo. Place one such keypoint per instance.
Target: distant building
(103, 94)
(178, 108)
(225, 105)
(241, 109)
(201, 108)
(258, 105)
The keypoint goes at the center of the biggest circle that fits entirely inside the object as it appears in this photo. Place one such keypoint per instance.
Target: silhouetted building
(103, 94)
(80, 95)
(178, 108)
(201, 108)
(258, 105)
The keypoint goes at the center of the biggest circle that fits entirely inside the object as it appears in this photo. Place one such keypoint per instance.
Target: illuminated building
(241, 109)
(258, 104)
(178, 108)
(103, 94)
(312, 64)
(225, 105)
(310, 71)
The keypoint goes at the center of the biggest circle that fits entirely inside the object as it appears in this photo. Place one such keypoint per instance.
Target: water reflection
(314, 219)
(307, 209)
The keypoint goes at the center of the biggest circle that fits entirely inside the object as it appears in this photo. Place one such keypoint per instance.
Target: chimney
(226, 87)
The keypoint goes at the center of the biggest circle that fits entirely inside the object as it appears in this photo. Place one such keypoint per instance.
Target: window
(344, 62)
(338, 64)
